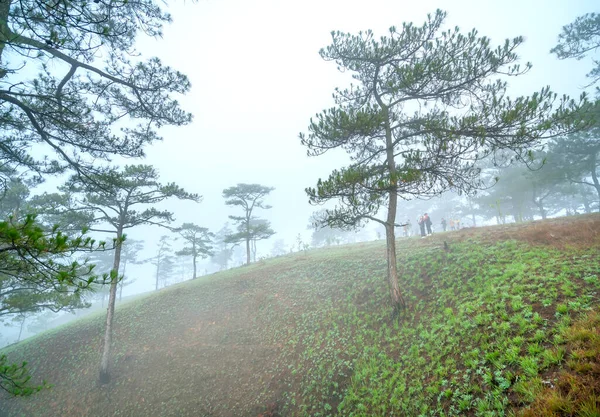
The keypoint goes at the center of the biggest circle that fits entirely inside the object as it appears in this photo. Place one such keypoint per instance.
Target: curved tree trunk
(106, 352)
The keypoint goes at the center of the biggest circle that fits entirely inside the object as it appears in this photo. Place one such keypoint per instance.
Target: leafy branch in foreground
(37, 272)
(14, 379)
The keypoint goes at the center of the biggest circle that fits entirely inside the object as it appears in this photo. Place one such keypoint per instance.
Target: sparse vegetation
(485, 334)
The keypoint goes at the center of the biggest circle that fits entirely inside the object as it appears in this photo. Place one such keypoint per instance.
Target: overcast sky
(257, 78)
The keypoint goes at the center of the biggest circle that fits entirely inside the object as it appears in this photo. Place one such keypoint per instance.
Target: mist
(240, 148)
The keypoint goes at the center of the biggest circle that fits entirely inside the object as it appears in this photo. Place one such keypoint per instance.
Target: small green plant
(553, 356)
(562, 309)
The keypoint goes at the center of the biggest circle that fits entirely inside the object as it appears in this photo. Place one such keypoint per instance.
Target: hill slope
(487, 328)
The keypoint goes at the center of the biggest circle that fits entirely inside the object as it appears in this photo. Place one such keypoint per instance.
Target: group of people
(454, 224)
(425, 224)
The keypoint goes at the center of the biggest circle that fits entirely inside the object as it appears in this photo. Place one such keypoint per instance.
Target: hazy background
(257, 78)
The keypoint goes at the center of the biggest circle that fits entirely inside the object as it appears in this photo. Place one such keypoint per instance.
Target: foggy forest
(336, 208)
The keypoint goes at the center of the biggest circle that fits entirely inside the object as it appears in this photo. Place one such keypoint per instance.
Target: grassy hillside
(490, 325)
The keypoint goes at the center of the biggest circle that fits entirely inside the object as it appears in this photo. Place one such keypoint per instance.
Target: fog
(257, 79)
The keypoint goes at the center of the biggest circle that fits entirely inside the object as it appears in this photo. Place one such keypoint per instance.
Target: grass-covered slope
(489, 328)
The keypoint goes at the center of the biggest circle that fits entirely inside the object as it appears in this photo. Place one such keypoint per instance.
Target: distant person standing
(422, 226)
(457, 223)
(427, 223)
(406, 228)
(443, 224)
(451, 224)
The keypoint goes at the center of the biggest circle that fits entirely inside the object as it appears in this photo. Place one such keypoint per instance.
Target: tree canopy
(88, 80)
(197, 240)
(580, 39)
(249, 228)
(425, 105)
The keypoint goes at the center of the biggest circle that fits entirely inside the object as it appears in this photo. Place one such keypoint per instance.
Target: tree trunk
(392, 265)
(21, 329)
(157, 271)
(106, 352)
(194, 259)
(586, 206)
(472, 212)
(248, 250)
(540, 207)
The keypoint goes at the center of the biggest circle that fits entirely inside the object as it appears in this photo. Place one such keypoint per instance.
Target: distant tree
(544, 183)
(103, 264)
(130, 250)
(223, 251)
(260, 229)
(418, 118)
(112, 198)
(14, 195)
(20, 319)
(580, 38)
(278, 248)
(580, 157)
(41, 322)
(322, 234)
(182, 271)
(104, 260)
(573, 199)
(300, 244)
(512, 195)
(238, 256)
(163, 261)
(198, 240)
(249, 228)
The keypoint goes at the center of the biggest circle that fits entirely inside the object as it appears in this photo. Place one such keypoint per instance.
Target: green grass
(312, 334)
